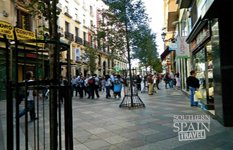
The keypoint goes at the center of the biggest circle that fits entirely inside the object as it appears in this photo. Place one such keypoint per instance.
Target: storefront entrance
(203, 63)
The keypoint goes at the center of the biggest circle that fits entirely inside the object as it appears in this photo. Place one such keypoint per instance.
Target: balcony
(172, 15)
(76, 20)
(59, 7)
(184, 3)
(67, 14)
(78, 40)
(69, 36)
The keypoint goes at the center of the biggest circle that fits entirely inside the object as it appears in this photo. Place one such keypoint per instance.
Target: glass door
(200, 67)
(203, 62)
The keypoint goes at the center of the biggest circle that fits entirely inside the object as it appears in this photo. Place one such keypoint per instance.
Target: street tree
(90, 57)
(145, 48)
(124, 17)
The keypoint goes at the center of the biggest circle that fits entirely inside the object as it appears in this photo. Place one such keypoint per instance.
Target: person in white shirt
(30, 98)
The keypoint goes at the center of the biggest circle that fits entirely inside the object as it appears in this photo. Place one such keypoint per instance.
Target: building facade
(78, 22)
(205, 26)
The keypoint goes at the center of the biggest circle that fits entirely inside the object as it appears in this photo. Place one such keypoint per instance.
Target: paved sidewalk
(99, 124)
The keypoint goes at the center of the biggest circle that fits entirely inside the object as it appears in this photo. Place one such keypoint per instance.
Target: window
(67, 27)
(91, 23)
(24, 20)
(66, 9)
(91, 10)
(76, 31)
(194, 13)
(77, 54)
(84, 21)
(76, 17)
(84, 36)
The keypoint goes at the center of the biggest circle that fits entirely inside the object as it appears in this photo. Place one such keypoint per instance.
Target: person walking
(167, 79)
(193, 84)
(177, 77)
(108, 85)
(30, 98)
(150, 84)
(96, 86)
(157, 80)
(138, 82)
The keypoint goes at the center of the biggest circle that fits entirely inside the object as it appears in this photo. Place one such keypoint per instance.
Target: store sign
(24, 34)
(172, 46)
(183, 47)
(6, 29)
(21, 34)
(201, 38)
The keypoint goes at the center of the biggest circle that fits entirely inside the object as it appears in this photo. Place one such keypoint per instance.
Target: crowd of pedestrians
(112, 85)
(91, 85)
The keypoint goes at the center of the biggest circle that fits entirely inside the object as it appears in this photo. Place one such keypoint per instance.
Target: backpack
(91, 81)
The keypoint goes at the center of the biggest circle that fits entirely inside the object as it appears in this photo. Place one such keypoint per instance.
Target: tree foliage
(90, 56)
(123, 17)
(145, 48)
(128, 19)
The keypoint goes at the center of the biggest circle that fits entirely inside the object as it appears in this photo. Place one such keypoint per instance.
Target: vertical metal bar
(59, 100)
(9, 102)
(43, 113)
(37, 96)
(17, 136)
(59, 118)
(26, 106)
(68, 108)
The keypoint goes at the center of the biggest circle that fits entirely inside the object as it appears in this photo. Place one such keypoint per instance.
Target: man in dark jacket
(193, 84)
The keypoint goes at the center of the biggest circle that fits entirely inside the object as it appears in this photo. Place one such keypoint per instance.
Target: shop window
(200, 67)
(203, 61)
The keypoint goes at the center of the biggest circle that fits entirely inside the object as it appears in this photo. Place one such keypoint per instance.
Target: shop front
(202, 62)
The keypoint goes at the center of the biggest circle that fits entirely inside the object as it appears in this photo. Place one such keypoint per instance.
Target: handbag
(197, 96)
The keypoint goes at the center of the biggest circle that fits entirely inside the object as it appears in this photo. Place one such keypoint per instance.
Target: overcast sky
(155, 11)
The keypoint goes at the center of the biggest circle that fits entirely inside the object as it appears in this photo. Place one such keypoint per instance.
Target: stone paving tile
(96, 130)
(105, 135)
(80, 147)
(113, 127)
(96, 144)
(115, 139)
(225, 146)
(131, 144)
(148, 131)
(110, 147)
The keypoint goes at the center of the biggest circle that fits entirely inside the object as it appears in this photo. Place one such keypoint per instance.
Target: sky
(154, 8)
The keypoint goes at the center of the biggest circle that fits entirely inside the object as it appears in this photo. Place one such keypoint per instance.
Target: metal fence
(43, 121)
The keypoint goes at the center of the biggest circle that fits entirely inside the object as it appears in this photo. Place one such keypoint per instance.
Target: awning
(165, 53)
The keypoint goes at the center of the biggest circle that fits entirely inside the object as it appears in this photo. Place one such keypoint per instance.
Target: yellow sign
(6, 29)
(21, 34)
(24, 34)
